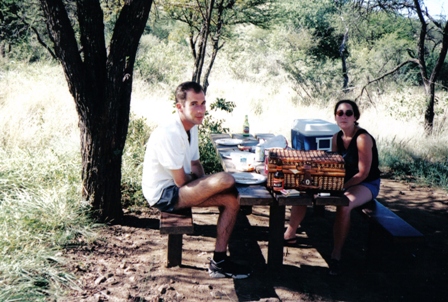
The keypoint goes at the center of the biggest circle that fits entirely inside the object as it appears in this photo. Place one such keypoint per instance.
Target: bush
(209, 157)
(426, 166)
(132, 168)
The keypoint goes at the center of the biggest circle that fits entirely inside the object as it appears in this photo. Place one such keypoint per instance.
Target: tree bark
(202, 47)
(215, 44)
(342, 49)
(101, 86)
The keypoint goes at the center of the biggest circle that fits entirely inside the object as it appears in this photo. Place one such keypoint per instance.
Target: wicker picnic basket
(307, 170)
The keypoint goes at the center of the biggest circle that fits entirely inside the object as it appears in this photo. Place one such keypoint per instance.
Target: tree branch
(39, 38)
(386, 74)
(90, 18)
(65, 46)
(442, 55)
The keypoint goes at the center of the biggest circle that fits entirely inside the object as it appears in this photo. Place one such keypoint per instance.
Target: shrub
(132, 167)
(209, 158)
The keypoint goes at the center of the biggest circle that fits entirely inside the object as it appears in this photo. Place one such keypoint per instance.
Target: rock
(100, 279)
(162, 288)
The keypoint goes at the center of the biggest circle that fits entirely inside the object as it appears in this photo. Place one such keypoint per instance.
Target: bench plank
(389, 221)
(385, 224)
(180, 222)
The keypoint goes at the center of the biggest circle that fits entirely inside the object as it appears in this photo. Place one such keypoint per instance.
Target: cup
(259, 153)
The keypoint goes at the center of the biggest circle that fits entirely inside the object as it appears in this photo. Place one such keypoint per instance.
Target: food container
(308, 170)
(243, 161)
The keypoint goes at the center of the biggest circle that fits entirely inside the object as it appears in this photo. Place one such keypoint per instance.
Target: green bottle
(246, 126)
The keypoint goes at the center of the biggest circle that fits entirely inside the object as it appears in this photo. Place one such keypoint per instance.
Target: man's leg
(214, 190)
(217, 190)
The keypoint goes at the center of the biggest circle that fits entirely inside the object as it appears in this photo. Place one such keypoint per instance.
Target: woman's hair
(181, 91)
(355, 108)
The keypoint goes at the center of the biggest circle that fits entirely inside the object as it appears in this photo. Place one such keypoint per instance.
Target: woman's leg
(357, 195)
(296, 217)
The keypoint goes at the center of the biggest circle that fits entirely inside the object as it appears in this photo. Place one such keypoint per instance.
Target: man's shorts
(168, 200)
(373, 186)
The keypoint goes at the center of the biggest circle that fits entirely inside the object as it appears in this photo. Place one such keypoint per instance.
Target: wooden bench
(175, 225)
(386, 227)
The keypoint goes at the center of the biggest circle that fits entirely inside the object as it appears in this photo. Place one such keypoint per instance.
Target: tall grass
(40, 207)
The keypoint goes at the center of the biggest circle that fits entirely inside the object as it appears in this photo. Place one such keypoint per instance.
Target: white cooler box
(312, 134)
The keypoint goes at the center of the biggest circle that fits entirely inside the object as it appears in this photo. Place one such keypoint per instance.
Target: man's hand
(197, 169)
(181, 178)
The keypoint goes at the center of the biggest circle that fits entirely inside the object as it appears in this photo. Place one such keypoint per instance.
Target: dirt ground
(127, 262)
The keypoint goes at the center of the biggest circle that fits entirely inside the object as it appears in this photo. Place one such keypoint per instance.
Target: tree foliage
(209, 24)
(314, 42)
(320, 19)
(22, 27)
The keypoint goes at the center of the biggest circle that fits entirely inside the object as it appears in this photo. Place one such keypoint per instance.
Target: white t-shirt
(167, 149)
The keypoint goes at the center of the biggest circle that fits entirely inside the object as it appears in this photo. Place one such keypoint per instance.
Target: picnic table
(259, 194)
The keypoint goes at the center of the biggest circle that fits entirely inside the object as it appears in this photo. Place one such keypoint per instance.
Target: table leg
(319, 210)
(276, 229)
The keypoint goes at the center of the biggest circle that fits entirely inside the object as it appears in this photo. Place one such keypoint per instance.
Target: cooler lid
(314, 127)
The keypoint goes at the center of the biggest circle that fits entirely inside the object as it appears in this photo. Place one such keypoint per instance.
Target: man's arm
(181, 178)
(197, 169)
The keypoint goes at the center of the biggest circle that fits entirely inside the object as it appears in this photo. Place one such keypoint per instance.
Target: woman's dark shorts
(373, 186)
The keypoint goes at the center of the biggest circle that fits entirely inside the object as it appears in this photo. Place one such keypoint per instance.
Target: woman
(362, 176)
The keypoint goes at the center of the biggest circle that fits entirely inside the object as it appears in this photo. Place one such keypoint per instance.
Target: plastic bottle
(279, 178)
(246, 126)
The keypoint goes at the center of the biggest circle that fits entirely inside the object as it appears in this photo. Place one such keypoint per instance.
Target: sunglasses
(348, 113)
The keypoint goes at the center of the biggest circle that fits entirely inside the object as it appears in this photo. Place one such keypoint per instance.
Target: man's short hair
(182, 89)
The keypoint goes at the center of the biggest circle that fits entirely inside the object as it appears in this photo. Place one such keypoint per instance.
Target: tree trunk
(101, 85)
(2, 49)
(342, 49)
(203, 37)
(215, 44)
(429, 111)
(429, 82)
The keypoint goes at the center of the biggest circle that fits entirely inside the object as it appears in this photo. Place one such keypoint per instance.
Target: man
(173, 177)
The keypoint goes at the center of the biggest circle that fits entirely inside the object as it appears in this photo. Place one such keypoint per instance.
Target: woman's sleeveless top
(351, 159)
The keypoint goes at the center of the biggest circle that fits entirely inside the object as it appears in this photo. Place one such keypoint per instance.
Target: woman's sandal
(335, 267)
(290, 241)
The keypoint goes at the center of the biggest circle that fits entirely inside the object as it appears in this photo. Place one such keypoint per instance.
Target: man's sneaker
(227, 269)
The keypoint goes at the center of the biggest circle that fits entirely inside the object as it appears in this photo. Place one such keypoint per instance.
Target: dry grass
(38, 111)
(272, 107)
(36, 108)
